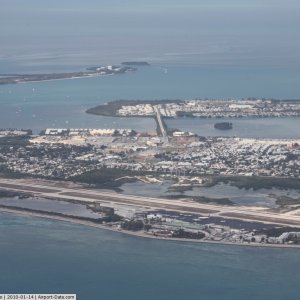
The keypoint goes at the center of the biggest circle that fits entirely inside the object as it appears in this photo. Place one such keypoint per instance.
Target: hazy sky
(218, 32)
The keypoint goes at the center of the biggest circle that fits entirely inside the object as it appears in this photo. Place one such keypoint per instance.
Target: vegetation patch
(133, 225)
(182, 234)
(14, 141)
(111, 109)
(258, 182)
(277, 231)
(284, 201)
(108, 178)
(202, 199)
(221, 201)
(12, 194)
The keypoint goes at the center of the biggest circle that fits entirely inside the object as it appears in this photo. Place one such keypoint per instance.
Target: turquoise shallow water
(243, 127)
(41, 256)
(62, 103)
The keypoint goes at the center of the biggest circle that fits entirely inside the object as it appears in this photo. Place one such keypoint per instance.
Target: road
(69, 192)
(160, 123)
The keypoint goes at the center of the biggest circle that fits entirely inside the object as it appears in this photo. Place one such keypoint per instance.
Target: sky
(239, 33)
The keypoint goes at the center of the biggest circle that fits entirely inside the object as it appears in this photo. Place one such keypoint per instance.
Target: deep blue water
(41, 256)
(242, 33)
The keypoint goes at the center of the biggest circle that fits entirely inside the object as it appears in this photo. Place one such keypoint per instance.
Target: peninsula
(213, 108)
(90, 72)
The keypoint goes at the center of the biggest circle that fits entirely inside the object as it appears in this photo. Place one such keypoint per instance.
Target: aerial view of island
(149, 150)
(223, 125)
(95, 159)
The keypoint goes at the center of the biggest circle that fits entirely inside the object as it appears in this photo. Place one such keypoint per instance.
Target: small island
(135, 63)
(223, 126)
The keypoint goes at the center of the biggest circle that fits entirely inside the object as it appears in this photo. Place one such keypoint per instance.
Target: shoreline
(74, 220)
(112, 108)
(56, 79)
(64, 192)
(31, 78)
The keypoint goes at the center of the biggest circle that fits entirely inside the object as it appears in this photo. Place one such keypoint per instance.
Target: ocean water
(57, 257)
(242, 127)
(62, 103)
(72, 209)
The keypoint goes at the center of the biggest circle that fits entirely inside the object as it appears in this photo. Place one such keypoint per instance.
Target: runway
(68, 191)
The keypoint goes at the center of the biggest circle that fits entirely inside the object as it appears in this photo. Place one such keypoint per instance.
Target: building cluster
(65, 153)
(108, 70)
(168, 226)
(11, 132)
(235, 156)
(215, 109)
(86, 132)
